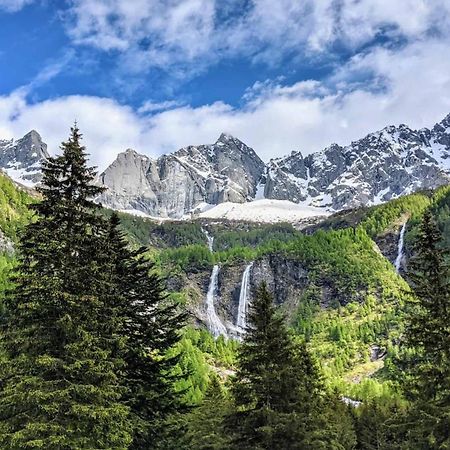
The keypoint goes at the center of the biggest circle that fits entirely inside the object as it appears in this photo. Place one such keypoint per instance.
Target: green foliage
(87, 327)
(383, 216)
(14, 212)
(205, 429)
(191, 258)
(277, 387)
(427, 375)
(60, 375)
(254, 237)
(147, 231)
(199, 356)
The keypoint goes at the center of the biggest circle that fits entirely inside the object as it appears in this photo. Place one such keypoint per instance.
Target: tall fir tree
(428, 335)
(60, 386)
(205, 424)
(152, 325)
(277, 388)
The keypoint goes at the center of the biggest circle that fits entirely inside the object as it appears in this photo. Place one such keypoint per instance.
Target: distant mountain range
(383, 165)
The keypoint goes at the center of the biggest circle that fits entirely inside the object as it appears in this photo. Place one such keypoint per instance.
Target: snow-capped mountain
(175, 184)
(22, 159)
(383, 165)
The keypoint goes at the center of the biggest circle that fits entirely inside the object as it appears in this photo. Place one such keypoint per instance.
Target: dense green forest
(184, 389)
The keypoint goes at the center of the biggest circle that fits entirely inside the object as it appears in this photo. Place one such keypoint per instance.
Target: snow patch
(265, 210)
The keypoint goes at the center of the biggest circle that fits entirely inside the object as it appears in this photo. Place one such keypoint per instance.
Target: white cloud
(275, 118)
(150, 107)
(13, 5)
(193, 33)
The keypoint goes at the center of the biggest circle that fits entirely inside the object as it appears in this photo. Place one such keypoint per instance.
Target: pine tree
(277, 388)
(60, 386)
(152, 325)
(206, 422)
(428, 334)
(380, 425)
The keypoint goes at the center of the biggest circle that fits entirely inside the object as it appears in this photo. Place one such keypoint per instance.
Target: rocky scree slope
(379, 167)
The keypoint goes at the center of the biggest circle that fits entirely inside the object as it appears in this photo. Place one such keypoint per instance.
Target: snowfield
(265, 210)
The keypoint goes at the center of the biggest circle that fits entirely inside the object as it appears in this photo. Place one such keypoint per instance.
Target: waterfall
(214, 323)
(210, 239)
(243, 298)
(398, 260)
(351, 402)
(259, 195)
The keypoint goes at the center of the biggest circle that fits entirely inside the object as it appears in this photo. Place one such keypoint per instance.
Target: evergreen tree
(152, 325)
(277, 388)
(206, 422)
(60, 386)
(380, 425)
(428, 334)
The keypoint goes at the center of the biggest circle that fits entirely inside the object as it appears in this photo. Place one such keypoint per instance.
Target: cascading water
(215, 325)
(401, 239)
(241, 322)
(210, 239)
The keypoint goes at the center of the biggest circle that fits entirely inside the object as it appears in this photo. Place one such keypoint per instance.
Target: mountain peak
(445, 122)
(226, 137)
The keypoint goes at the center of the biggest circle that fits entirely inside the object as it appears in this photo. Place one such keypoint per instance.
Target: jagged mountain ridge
(177, 183)
(21, 159)
(383, 165)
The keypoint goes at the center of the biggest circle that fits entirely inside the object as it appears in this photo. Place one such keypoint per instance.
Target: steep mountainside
(379, 167)
(334, 285)
(175, 184)
(21, 159)
(383, 165)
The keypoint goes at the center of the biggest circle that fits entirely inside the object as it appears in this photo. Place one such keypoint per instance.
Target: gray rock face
(6, 245)
(175, 184)
(383, 165)
(22, 159)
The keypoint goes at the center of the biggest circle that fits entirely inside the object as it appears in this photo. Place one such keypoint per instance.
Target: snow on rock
(265, 210)
(383, 165)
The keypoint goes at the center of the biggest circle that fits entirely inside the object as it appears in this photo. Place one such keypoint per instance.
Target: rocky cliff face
(6, 245)
(383, 165)
(22, 159)
(175, 184)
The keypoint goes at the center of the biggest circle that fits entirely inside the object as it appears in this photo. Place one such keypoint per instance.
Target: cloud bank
(402, 78)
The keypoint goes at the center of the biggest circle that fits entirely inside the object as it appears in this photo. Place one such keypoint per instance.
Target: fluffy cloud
(13, 5)
(194, 33)
(409, 86)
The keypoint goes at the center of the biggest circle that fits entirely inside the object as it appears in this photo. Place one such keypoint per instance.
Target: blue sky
(156, 75)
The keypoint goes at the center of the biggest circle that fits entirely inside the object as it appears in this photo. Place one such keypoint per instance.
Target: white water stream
(215, 325)
(210, 239)
(401, 242)
(241, 322)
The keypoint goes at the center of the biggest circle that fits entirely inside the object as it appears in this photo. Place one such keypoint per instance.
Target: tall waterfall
(401, 239)
(215, 325)
(210, 239)
(241, 322)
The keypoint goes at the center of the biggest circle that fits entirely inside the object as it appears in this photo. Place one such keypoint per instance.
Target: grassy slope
(341, 256)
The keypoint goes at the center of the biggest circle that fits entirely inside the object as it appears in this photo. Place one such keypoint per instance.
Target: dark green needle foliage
(277, 388)
(152, 325)
(205, 429)
(428, 335)
(60, 385)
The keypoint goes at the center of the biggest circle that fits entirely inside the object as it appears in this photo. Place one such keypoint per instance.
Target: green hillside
(353, 301)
